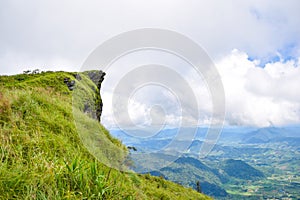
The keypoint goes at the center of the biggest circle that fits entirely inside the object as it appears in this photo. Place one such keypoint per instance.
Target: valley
(246, 163)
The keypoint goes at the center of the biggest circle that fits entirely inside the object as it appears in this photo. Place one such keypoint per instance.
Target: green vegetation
(42, 155)
(278, 161)
(195, 171)
(236, 179)
(241, 170)
(234, 169)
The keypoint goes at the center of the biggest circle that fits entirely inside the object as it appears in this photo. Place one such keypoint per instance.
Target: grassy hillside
(42, 155)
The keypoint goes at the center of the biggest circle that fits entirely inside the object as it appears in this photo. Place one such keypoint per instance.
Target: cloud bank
(59, 35)
(255, 96)
(260, 96)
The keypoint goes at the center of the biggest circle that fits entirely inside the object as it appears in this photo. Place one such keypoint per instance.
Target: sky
(255, 45)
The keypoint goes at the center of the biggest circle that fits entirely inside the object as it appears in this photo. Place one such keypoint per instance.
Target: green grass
(42, 156)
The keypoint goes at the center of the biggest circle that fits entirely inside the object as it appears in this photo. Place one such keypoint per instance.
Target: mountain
(245, 163)
(273, 134)
(213, 180)
(187, 171)
(42, 156)
(263, 135)
(241, 170)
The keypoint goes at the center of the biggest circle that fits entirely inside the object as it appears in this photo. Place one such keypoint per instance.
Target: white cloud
(155, 104)
(38, 33)
(260, 96)
(255, 96)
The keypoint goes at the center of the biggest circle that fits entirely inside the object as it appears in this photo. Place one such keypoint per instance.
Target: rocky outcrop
(97, 77)
(92, 107)
(70, 83)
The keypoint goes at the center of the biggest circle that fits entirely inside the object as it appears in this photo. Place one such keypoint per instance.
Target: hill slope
(240, 169)
(194, 170)
(42, 155)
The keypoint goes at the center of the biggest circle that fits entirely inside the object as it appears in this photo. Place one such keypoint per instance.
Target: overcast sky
(254, 44)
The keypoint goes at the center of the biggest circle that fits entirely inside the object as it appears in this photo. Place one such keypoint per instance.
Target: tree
(198, 187)
(132, 148)
(26, 71)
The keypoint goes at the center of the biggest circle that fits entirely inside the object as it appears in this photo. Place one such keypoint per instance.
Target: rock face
(97, 77)
(70, 83)
(93, 107)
